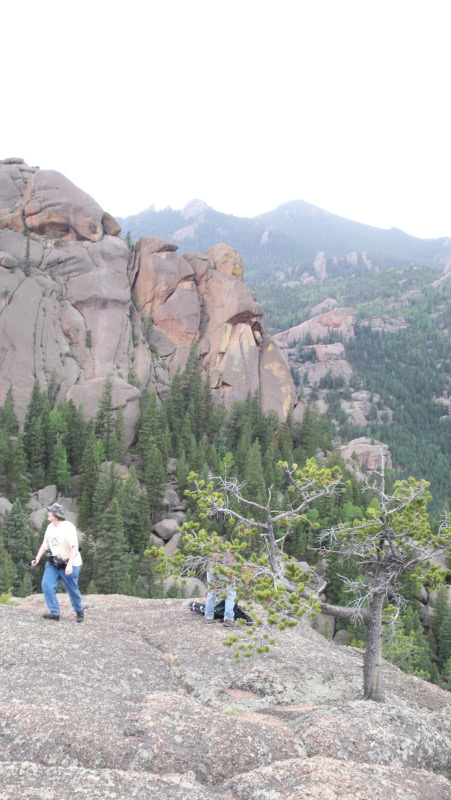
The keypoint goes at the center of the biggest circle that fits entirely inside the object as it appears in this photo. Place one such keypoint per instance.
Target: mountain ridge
(290, 235)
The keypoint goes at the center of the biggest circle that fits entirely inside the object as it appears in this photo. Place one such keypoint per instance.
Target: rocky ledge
(143, 699)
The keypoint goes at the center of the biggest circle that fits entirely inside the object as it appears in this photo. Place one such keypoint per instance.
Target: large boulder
(67, 317)
(166, 528)
(203, 298)
(323, 778)
(37, 518)
(276, 386)
(366, 453)
(227, 260)
(338, 320)
(381, 734)
(47, 495)
(14, 178)
(53, 206)
(32, 342)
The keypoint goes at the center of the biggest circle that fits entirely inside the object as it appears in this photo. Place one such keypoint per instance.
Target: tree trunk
(373, 684)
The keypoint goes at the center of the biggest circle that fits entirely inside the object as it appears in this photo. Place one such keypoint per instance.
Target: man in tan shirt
(63, 564)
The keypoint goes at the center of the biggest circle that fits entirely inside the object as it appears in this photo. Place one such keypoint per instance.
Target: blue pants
(50, 580)
(218, 588)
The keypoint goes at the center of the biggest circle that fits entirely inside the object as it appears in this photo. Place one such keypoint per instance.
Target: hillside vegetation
(400, 354)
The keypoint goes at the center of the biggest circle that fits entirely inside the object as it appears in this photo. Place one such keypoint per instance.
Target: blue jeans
(50, 580)
(218, 589)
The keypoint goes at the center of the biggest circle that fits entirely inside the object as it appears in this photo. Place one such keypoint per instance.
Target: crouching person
(218, 585)
(63, 564)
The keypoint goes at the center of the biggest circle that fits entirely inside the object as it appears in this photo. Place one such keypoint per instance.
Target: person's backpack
(199, 608)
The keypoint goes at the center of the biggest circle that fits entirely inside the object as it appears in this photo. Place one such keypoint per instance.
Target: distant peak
(194, 209)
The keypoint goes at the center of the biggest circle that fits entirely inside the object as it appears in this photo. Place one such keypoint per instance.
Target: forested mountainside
(296, 239)
(125, 498)
(391, 378)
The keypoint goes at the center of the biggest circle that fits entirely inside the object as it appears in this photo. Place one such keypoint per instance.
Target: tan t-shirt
(60, 538)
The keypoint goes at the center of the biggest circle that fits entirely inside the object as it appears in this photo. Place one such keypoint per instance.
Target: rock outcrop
(69, 318)
(338, 320)
(203, 297)
(316, 361)
(159, 707)
(367, 454)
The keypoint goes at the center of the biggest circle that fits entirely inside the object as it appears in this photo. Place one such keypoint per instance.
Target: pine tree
(209, 421)
(8, 573)
(273, 473)
(76, 433)
(154, 477)
(89, 561)
(58, 434)
(441, 626)
(186, 438)
(135, 513)
(18, 542)
(149, 426)
(399, 525)
(243, 448)
(107, 488)
(444, 644)
(19, 483)
(418, 660)
(182, 472)
(202, 449)
(143, 527)
(117, 447)
(153, 436)
(255, 488)
(62, 470)
(4, 460)
(36, 452)
(173, 410)
(104, 420)
(192, 455)
(212, 458)
(147, 583)
(8, 415)
(308, 439)
(192, 390)
(88, 481)
(110, 571)
(36, 438)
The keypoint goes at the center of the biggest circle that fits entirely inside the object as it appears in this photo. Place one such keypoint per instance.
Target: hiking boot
(228, 623)
(51, 616)
(80, 615)
(208, 620)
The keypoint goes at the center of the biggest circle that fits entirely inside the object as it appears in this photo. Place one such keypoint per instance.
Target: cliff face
(144, 700)
(76, 307)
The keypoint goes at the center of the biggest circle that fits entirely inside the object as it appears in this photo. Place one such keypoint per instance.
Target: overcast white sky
(245, 104)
